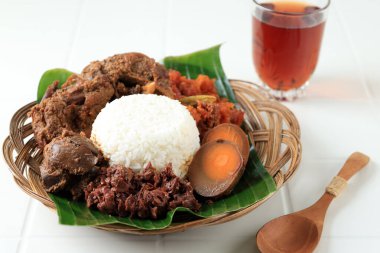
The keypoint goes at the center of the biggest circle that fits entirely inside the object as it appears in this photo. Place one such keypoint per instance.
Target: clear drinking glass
(286, 40)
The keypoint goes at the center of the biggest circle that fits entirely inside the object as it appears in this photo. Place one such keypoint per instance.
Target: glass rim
(294, 13)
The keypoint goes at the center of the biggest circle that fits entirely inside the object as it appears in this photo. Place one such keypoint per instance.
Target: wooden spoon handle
(354, 163)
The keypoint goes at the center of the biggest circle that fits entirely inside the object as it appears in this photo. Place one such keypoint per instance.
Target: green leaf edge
(224, 89)
(193, 64)
(48, 77)
(67, 210)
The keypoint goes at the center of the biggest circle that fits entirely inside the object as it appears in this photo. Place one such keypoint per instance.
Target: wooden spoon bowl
(300, 232)
(282, 240)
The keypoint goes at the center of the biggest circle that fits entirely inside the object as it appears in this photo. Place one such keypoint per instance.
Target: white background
(338, 115)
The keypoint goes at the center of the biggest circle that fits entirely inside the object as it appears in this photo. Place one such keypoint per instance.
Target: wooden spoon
(301, 231)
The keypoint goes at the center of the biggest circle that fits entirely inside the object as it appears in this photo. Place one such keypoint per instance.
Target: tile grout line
(166, 29)
(31, 204)
(351, 237)
(287, 204)
(159, 245)
(363, 79)
(160, 239)
(26, 226)
(75, 33)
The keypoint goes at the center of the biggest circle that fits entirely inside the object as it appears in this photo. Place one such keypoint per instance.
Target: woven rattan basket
(275, 133)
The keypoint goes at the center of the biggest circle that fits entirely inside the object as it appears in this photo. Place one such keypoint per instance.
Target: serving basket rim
(276, 135)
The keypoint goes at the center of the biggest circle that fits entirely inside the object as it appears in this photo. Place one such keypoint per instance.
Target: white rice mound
(137, 129)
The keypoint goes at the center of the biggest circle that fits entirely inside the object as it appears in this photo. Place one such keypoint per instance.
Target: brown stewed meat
(130, 70)
(148, 194)
(73, 166)
(72, 108)
(75, 107)
(68, 159)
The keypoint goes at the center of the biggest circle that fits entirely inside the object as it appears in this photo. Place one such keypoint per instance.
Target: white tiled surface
(339, 114)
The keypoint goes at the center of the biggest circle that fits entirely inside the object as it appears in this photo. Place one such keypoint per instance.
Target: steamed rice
(137, 129)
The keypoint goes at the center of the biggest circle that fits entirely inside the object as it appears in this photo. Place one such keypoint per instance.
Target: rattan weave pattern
(275, 131)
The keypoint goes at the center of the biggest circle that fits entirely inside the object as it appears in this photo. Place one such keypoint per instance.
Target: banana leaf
(206, 62)
(254, 185)
(49, 77)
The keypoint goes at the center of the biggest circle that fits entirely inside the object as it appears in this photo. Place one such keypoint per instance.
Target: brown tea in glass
(286, 42)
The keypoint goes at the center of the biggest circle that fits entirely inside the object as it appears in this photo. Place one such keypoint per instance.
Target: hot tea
(286, 43)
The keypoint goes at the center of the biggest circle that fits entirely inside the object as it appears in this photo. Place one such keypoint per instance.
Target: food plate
(275, 133)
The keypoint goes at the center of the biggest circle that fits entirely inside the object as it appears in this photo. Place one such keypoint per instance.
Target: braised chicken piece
(67, 160)
(72, 108)
(130, 71)
(75, 107)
